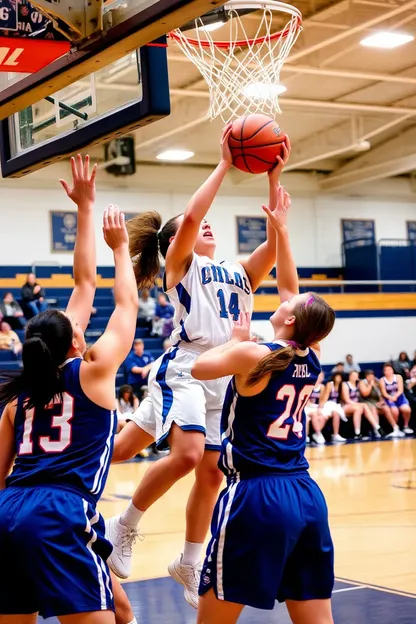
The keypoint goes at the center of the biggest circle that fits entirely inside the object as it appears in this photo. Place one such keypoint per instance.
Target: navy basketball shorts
(270, 541)
(402, 400)
(53, 553)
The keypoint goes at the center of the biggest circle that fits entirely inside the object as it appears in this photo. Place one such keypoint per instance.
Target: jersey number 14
(233, 309)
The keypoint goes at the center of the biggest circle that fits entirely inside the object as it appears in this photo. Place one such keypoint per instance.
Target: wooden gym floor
(370, 488)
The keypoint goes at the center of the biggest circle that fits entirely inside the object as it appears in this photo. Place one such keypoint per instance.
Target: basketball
(255, 142)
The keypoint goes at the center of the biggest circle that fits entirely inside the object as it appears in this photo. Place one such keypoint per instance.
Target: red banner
(29, 55)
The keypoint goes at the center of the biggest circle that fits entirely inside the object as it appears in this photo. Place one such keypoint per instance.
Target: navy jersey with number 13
(265, 433)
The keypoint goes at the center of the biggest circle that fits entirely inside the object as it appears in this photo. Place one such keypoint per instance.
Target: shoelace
(128, 539)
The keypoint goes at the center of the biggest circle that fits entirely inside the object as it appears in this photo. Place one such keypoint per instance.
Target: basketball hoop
(242, 70)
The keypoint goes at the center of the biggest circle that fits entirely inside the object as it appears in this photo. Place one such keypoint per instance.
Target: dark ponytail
(48, 340)
(314, 319)
(272, 364)
(146, 239)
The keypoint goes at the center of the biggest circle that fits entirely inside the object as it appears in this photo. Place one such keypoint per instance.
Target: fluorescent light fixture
(386, 39)
(211, 27)
(263, 90)
(175, 155)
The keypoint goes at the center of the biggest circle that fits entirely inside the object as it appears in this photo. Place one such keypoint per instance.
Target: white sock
(131, 516)
(357, 432)
(191, 553)
(396, 428)
(377, 427)
(134, 621)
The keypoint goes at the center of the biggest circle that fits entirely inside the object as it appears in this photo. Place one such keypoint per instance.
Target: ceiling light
(175, 155)
(211, 27)
(386, 39)
(362, 146)
(263, 90)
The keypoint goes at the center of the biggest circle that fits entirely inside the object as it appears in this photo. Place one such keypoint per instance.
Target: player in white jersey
(208, 297)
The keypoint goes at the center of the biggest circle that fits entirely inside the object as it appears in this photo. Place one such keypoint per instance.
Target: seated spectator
(392, 389)
(138, 365)
(163, 319)
(338, 368)
(33, 296)
(371, 395)
(127, 403)
(147, 307)
(9, 340)
(352, 405)
(402, 365)
(11, 312)
(350, 365)
(314, 414)
(330, 405)
(166, 344)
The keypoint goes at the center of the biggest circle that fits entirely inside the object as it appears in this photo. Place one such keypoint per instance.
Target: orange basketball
(255, 141)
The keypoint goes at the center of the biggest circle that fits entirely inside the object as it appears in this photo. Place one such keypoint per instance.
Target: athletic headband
(309, 301)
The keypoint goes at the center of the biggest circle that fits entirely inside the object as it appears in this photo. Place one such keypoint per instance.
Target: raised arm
(82, 194)
(262, 260)
(286, 273)
(110, 351)
(181, 249)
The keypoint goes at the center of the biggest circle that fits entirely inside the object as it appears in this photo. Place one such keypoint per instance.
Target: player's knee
(186, 461)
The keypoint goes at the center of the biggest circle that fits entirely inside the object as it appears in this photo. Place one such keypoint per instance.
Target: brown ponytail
(314, 319)
(272, 364)
(146, 239)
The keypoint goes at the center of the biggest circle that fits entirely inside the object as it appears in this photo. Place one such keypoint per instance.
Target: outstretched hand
(278, 217)
(114, 228)
(225, 149)
(241, 329)
(83, 184)
(275, 173)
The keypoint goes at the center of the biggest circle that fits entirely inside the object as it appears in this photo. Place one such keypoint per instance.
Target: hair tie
(308, 302)
(293, 344)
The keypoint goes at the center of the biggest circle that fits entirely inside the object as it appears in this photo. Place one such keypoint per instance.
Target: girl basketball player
(353, 406)
(331, 406)
(207, 296)
(371, 395)
(392, 389)
(314, 414)
(270, 534)
(58, 428)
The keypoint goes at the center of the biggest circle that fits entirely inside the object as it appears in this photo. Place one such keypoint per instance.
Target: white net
(242, 73)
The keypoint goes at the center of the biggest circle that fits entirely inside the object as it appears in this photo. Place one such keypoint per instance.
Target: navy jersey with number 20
(265, 433)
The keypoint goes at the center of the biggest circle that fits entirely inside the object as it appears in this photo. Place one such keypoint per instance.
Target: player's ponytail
(272, 364)
(146, 240)
(48, 340)
(314, 319)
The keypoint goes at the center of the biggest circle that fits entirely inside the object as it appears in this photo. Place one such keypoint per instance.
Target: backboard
(65, 106)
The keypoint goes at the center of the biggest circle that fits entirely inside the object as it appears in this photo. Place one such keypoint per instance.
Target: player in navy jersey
(58, 427)
(207, 295)
(270, 534)
(392, 389)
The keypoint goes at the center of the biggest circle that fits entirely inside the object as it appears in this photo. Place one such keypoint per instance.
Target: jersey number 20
(278, 429)
(233, 308)
(58, 421)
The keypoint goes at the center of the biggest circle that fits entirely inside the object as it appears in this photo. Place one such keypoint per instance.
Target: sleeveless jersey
(265, 433)
(67, 444)
(315, 396)
(208, 300)
(353, 392)
(334, 394)
(391, 386)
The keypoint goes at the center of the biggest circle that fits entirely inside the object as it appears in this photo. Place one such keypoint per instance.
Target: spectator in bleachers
(9, 340)
(138, 365)
(353, 406)
(127, 403)
(147, 307)
(331, 407)
(338, 368)
(11, 312)
(163, 319)
(402, 365)
(350, 365)
(371, 395)
(392, 389)
(314, 414)
(410, 390)
(33, 296)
